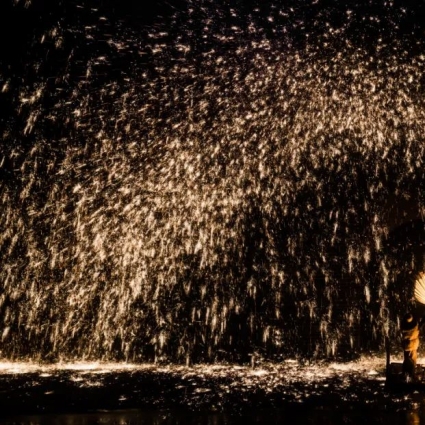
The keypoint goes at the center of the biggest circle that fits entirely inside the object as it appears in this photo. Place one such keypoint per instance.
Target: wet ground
(319, 393)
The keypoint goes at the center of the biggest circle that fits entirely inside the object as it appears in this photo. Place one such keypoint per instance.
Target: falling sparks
(203, 189)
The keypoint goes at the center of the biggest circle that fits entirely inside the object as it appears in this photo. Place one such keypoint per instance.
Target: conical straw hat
(420, 288)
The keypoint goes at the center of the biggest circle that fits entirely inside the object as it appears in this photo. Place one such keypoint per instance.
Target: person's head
(409, 318)
(409, 321)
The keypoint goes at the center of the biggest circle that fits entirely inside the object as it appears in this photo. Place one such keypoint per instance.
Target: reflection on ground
(325, 393)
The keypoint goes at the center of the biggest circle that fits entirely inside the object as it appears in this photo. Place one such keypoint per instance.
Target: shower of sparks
(205, 187)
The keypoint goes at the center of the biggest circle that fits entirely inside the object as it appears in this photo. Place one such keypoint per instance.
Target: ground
(353, 390)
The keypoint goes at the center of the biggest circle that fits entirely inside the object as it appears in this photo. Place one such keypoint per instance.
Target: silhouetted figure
(410, 343)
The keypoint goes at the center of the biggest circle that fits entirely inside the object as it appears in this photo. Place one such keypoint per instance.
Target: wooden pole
(388, 354)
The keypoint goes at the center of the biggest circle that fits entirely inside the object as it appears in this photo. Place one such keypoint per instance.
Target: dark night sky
(19, 24)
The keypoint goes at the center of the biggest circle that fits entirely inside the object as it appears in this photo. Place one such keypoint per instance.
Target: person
(410, 342)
